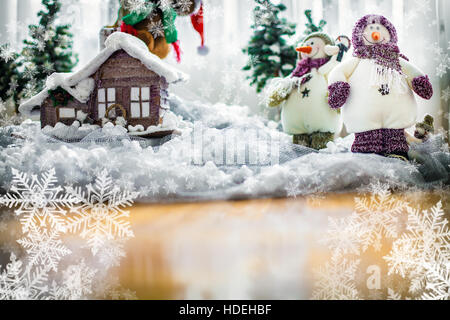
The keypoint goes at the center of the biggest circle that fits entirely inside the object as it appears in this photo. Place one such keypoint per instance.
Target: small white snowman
(302, 96)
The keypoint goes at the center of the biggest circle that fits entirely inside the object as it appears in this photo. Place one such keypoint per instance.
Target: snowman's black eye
(312, 43)
(378, 28)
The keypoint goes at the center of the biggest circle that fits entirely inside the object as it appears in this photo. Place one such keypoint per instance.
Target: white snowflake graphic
(190, 185)
(293, 188)
(420, 252)
(265, 15)
(40, 205)
(30, 71)
(100, 215)
(30, 89)
(44, 247)
(40, 45)
(184, 5)
(77, 283)
(17, 283)
(344, 235)
(378, 215)
(164, 4)
(135, 5)
(154, 187)
(170, 186)
(441, 70)
(111, 253)
(423, 253)
(392, 295)
(13, 85)
(212, 182)
(48, 34)
(6, 53)
(39, 200)
(49, 68)
(336, 280)
(446, 94)
(156, 28)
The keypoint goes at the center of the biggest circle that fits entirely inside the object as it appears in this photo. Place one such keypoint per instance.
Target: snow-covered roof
(80, 86)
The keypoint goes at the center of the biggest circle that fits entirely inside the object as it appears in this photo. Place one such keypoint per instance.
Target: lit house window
(106, 98)
(66, 113)
(140, 102)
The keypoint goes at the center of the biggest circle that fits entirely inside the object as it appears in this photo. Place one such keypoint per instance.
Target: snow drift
(223, 152)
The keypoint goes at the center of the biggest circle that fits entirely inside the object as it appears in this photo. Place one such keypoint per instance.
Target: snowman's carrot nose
(306, 49)
(376, 36)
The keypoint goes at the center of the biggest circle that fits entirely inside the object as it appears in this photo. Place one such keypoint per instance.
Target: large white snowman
(303, 96)
(376, 89)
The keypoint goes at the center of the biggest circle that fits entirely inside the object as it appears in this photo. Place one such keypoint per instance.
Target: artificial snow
(69, 133)
(138, 128)
(221, 152)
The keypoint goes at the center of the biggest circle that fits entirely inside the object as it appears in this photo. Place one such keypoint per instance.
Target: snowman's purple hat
(386, 54)
(362, 23)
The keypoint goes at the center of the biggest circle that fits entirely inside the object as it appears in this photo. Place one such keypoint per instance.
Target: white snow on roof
(81, 91)
(80, 86)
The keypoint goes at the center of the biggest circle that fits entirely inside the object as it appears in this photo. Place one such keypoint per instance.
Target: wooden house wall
(50, 113)
(122, 72)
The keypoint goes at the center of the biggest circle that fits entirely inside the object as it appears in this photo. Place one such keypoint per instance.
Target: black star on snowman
(306, 93)
(384, 90)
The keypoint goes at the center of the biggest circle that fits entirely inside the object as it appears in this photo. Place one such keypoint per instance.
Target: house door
(114, 111)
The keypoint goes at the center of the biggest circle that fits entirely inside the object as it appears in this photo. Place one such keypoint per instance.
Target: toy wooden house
(124, 80)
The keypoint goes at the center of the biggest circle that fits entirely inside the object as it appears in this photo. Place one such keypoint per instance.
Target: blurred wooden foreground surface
(259, 249)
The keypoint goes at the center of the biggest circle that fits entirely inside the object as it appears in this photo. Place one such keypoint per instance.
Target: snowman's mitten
(275, 99)
(422, 86)
(338, 94)
(279, 90)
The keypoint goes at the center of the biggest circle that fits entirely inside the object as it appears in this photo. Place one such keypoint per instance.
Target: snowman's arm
(417, 80)
(410, 70)
(333, 52)
(339, 89)
(328, 67)
(343, 71)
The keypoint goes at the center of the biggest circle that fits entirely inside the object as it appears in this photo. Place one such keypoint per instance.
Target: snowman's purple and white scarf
(386, 55)
(306, 65)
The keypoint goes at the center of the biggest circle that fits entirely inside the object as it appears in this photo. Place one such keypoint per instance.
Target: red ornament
(198, 23)
(128, 29)
(177, 49)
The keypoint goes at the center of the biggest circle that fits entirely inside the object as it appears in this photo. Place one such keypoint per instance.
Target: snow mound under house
(222, 152)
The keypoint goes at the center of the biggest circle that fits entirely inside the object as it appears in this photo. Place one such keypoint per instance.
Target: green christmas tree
(270, 55)
(11, 80)
(311, 27)
(50, 47)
